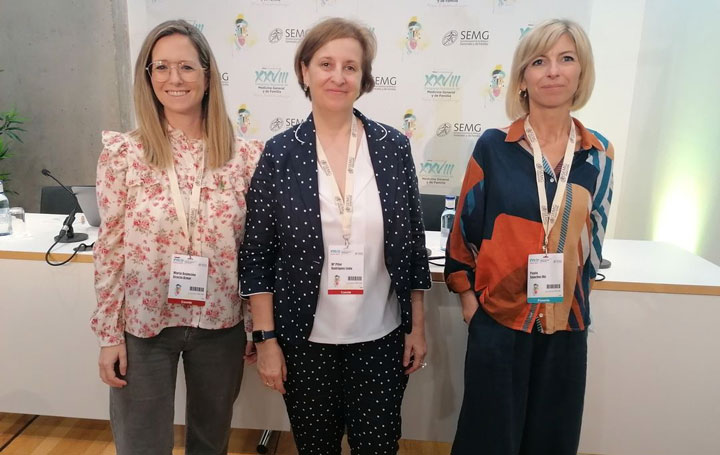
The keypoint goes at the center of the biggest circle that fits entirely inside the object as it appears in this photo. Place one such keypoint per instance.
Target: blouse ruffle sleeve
(108, 320)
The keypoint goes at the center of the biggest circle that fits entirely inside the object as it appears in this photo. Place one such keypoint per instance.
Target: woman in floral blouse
(172, 200)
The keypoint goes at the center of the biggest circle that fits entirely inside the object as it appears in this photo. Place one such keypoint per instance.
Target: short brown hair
(332, 29)
(539, 40)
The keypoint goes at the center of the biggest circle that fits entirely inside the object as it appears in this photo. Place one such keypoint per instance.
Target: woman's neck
(550, 125)
(332, 124)
(191, 125)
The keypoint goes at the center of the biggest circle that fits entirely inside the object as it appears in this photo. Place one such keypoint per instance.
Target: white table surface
(39, 232)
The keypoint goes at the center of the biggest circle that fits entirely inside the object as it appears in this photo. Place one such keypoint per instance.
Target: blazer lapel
(305, 165)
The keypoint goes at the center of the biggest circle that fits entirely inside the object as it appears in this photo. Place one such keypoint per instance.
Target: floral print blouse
(140, 232)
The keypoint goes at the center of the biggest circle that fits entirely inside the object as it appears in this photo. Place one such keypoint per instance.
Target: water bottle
(446, 220)
(5, 220)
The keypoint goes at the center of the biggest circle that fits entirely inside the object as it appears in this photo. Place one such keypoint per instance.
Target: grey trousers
(142, 412)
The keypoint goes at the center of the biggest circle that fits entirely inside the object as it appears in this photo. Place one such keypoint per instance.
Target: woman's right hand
(470, 305)
(109, 357)
(271, 365)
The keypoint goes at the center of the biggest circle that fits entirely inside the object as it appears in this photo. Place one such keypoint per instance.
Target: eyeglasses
(159, 70)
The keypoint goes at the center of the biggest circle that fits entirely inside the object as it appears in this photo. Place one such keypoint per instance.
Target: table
(652, 369)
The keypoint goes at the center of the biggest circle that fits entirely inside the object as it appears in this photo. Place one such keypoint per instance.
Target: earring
(307, 88)
(523, 93)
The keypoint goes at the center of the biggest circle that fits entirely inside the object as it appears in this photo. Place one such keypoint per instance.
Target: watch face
(258, 336)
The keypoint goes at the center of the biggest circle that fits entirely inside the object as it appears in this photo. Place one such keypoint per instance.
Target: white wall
(670, 187)
(616, 43)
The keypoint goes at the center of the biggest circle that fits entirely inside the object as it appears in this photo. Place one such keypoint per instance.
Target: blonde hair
(332, 29)
(537, 41)
(152, 124)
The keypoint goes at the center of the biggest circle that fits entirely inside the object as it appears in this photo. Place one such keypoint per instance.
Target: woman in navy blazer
(341, 355)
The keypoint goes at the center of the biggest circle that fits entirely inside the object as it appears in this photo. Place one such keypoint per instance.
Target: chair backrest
(55, 199)
(432, 207)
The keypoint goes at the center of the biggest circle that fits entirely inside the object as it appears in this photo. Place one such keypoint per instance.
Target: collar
(178, 135)
(373, 130)
(516, 131)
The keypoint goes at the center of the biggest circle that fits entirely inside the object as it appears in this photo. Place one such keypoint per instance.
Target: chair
(55, 199)
(432, 207)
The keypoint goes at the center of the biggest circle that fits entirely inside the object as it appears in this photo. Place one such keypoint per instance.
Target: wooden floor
(41, 435)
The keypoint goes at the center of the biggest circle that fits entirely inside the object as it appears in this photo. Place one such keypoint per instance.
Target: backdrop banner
(441, 69)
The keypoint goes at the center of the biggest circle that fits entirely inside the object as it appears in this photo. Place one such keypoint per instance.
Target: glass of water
(17, 217)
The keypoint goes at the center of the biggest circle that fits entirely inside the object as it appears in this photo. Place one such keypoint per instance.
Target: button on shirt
(344, 319)
(140, 232)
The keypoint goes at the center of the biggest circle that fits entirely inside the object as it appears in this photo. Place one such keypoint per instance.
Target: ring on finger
(423, 364)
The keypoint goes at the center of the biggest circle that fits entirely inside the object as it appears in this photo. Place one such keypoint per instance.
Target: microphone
(67, 234)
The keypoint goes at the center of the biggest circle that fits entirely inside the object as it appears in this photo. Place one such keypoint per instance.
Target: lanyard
(188, 226)
(549, 218)
(345, 206)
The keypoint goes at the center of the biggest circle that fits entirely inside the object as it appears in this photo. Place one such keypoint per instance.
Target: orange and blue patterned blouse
(498, 225)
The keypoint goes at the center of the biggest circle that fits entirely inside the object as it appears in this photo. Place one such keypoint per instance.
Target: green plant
(10, 127)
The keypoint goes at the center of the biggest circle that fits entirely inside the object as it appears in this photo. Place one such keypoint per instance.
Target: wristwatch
(259, 336)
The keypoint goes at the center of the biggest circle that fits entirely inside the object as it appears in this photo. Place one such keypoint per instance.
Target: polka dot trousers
(356, 386)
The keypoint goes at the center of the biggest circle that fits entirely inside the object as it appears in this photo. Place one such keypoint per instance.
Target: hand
(250, 356)
(109, 357)
(415, 349)
(470, 305)
(271, 365)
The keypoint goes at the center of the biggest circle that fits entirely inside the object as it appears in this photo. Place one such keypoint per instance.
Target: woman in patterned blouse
(172, 199)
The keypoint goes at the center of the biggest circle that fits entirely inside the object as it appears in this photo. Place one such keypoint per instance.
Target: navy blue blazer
(283, 250)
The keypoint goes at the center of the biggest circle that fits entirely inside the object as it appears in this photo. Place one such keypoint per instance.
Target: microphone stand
(67, 234)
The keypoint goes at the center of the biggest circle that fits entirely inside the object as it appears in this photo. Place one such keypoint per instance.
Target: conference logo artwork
(409, 123)
(271, 81)
(450, 38)
(497, 83)
(442, 85)
(290, 35)
(282, 123)
(245, 127)
(413, 36)
(435, 173)
(477, 37)
(386, 83)
(459, 129)
(241, 31)
(243, 37)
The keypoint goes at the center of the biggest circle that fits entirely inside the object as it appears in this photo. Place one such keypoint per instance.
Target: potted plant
(10, 127)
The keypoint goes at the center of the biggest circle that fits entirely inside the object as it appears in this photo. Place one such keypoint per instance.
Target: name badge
(188, 280)
(345, 269)
(545, 278)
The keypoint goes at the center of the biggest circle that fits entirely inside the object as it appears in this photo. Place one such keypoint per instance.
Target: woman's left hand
(415, 349)
(250, 356)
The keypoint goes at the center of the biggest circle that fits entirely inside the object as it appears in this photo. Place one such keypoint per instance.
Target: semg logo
(475, 35)
(385, 80)
(294, 33)
(467, 127)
